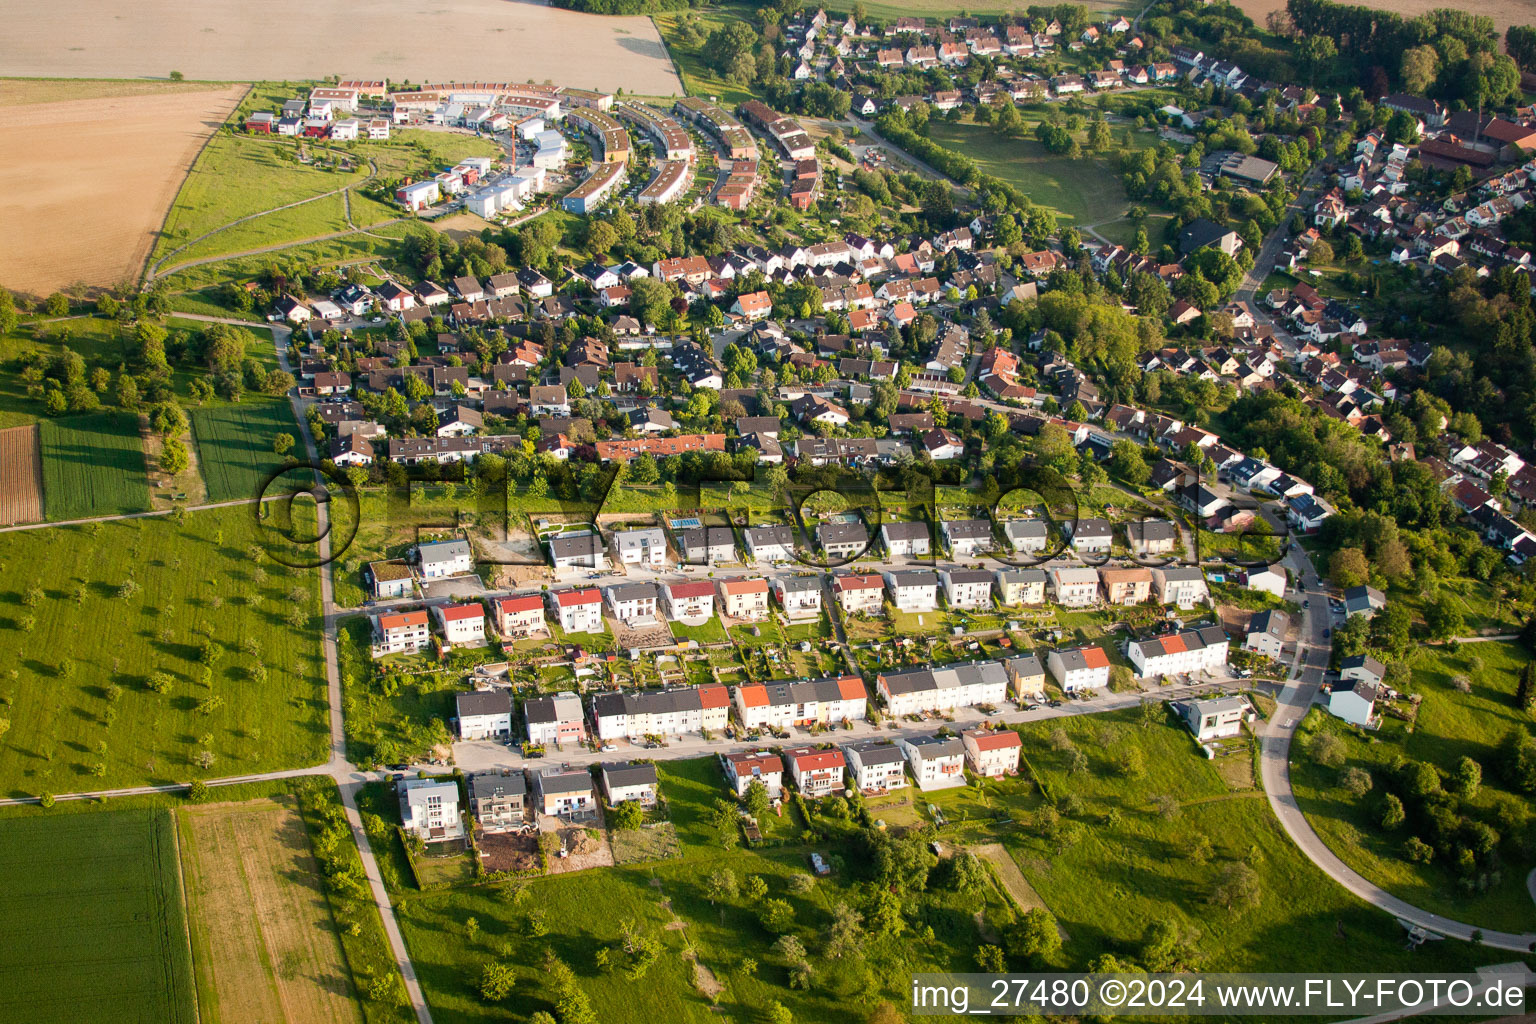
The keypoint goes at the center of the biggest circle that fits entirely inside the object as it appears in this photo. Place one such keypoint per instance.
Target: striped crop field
(234, 445)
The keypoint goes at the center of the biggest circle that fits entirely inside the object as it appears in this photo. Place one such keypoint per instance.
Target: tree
(776, 916)
(1419, 67)
(627, 816)
(758, 802)
(282, 443)
(1355, 781)
(1320, 254)
(1326, 749)
(1468, 777)
(173, 456)
(601, 237)
(497, 981)
(966, 872)
(1035, 937)
(1348, 568)
(1525, 689)
(1392, 813)
(8, 316)
(778, 1013)
(56, 304)
(721, 885)
(1443, 619)
(990, 960)
(1237, 888)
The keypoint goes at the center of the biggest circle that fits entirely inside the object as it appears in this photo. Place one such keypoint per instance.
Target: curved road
(1297, 696)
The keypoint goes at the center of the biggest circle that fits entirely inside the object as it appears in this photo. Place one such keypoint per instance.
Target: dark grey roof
(620, 775)
(914, 578)
(557, 781)
(1149, 530)
(636, 702)
(706, 537)
(769, 536)
(485, 702)
(633, 592)
(1274, 622)
(1092, 527)
(1366, 662)
(841, 533)
(929, 747)
(877, 751)
(910, 681)
(798, 584)
(968, 529)
(576, 547)
(905, 531)
(1026, 665)
(969, 576)
(493, 784)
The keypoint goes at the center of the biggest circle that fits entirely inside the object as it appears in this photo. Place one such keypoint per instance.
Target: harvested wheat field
(86, 182)
(264, 945)
(1503, 12)
(21, 473)
(486, 40)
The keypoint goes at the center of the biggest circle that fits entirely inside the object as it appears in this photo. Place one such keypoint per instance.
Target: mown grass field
(101, 343)
(92, 920)
(1450, 725)
(93, 465)
(234, 445)
(264, 942)
(94, 612)
(1082, 191)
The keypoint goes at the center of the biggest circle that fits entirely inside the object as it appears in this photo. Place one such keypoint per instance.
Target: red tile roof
(456, 612)
(400, 619)
(507, 605)
(714, 695)
(1094, 657)
(567, 598)
(700, 588)
(745, 586)
(1001, 740)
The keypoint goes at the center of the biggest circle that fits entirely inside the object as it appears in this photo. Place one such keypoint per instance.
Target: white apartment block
(967, 588)
(646, 548)
(942, 689)
(1075, 586)
(913, 590)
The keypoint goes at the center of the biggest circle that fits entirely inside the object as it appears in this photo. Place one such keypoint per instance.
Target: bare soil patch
(125, 156)
(265, 945)
(586, 846)
(1503, 12)
(395, 39)
(21, 476)
(502, 851)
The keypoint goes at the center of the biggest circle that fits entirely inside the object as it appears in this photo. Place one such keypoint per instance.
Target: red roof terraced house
(992, 754)
(816, 772)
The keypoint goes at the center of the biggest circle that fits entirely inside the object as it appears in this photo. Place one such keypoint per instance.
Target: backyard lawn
(392, 716)
(1450, 725)
(98, 615)
(93, 465)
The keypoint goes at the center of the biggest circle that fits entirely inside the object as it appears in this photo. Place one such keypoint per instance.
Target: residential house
(992, 754)
(909, 539)
(859, 593)
(876, 765)
(1021, 586)
(1354, 700)
(645, 547)
(967, 537)
(390, 579)
(941, 689)
(742, 768)
(1028, 536)
(967, 588)
(629, 783)
(817, 771)
(1074, 586)
(842, 540)
(1363, 600)
(635, 603)
(691, 602)
(1266, 633)
(1092, 536)
(936, 762)
(770, 544)
(1026, 677)
(499, 800)
(1079, 668)
(1363, 668)
(708, 545)
(485, 714)
(429, 808)
(1214, 718)
(577, 551)
(579, 611)
(1149, 537)
(1126, 586)
(462, 624)
(519, 616)
(1183, 586)
(564, 793)
(442, 559)
(556, 719)
(913, 590)
(798, 596)
(401, 633)
(745, 599)
(1193, 650)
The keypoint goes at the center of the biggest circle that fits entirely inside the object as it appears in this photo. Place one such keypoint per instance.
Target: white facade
(967, 588)
(1074, 587)
(913, 591)
(646, 547)
(461, 624)
(430, 809)
(579, 611)
(936, 763)
(1080, 668)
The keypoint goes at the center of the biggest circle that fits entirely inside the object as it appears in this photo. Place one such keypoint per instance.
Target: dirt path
(1013, 880)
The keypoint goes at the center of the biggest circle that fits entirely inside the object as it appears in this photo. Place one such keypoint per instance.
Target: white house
(577, 551)
(1079, 668)
(941, 689)
(634, 602)
(485, 715)
(992, 754)
(1027, 535)
(967, 537)
(430, 809)
(936, 762)
(1091, 536)
(876, 765)
(860, 593)
(742, 768)
(579, 611)
(692, 601)
(442, 559)
(462, 624)
(745, 599)
(1193, 650)
(770, 544)
(798, 596)
(390, 579)
(564, 793)
(910, 539)
(1354, 700)
(1266, 633)
(646, 547)
(629, 783)
(401, 633)
(913, 590)
(1213, 718)
(817, 772)
(1363, 668)
(1181, 585)
(967, 588)
(518, 617)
